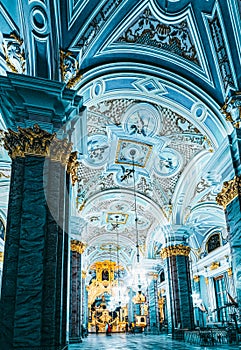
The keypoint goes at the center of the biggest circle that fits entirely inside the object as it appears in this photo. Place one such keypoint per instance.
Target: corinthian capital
(37, 142)
(31, 141)
(72, 167)
(229, 191)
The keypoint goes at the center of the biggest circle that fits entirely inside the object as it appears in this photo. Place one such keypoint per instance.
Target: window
(213, 242)
(162, 276)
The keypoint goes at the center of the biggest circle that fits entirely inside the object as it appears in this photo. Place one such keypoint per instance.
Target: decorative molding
(72, 167)
(221, 50)
(69, 67)
(179, 249)
(196, 278)
(77, 246)
(147, 30)
(37, 142)
(229, 191)
(1, 257)
(214, 265)
(92, 29)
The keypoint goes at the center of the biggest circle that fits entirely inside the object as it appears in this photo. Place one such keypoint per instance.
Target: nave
(138, 342)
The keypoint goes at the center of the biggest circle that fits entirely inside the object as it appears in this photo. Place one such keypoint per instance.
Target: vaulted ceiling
(154, 75)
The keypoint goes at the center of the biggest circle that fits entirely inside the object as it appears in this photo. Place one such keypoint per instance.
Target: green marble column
(77, 249)
(179, 301)
(34, 272)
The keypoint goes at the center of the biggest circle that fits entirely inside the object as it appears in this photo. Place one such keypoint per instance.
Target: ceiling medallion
(98, 150)
(126, 148)
(169, 162)
(142, 119)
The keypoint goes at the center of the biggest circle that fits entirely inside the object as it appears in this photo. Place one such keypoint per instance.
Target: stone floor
(140, 342)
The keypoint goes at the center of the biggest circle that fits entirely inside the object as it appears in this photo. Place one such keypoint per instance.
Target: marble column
(153, 302)
(177, 270)
(34, 273)
(77, 248)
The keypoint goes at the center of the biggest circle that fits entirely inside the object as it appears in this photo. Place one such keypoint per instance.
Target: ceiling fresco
(153, 75)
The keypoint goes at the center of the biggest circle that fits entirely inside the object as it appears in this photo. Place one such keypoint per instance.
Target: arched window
(2, 229)
(162, 276)
(213, 242)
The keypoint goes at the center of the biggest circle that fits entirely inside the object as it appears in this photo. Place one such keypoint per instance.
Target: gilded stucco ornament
(1, 257)
(232, 109)
(230, 271)
(175, 250)
(14, 53)
(69, 67)
(229, 191)
(72, 167)
(77, 246)
(214, 265)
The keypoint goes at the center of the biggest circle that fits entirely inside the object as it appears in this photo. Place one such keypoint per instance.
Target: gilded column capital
(72, 167)
(38, 142)
(31, 141)
(60, 150)
(230, 190)
(175, 250)
(77, 246)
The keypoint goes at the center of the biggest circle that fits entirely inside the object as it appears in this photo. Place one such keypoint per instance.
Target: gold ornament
(196, 278)
(214, 265)
(230, 271)
(1, 257)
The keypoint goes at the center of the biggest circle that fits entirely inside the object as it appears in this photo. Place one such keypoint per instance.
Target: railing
(210, 337)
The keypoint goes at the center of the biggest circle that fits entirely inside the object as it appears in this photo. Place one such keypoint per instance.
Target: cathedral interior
(120, 169)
